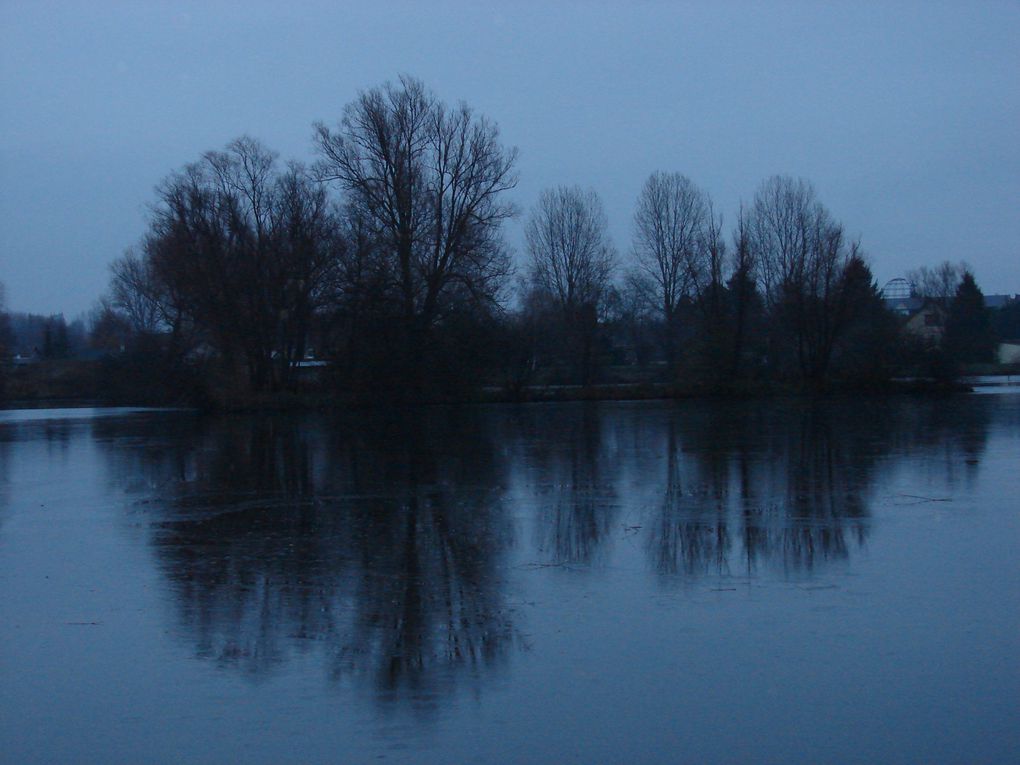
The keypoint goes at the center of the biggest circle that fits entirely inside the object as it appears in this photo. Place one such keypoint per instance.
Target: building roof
(1000, 301)
(904, 305)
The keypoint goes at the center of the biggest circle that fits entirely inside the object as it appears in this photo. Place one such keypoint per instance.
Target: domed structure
(897, 289)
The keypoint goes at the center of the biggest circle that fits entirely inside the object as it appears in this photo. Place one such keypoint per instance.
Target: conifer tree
(968, 337)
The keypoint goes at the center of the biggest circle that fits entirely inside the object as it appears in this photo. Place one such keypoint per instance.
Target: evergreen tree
(968, 337)
(867, 353)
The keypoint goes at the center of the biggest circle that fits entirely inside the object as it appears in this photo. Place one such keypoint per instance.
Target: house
(928, 321)
(922, 317)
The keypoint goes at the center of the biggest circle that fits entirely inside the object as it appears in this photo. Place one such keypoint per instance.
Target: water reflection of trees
(5, 477)
(689, 534)
(429, 594)
(816, 506)
(790, 484)
(573, 473)
(377, 543)
(380, 544)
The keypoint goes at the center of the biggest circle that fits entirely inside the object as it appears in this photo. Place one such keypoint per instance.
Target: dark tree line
(40, 337)
(790, 296)
(387, 258)
(387, 255)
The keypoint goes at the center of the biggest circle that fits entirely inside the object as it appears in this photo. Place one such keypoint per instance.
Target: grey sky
(904, 116)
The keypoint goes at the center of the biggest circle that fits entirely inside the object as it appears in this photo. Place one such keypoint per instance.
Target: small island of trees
(381, 273)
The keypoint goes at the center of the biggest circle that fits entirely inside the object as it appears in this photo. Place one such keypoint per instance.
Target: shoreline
(615, 392)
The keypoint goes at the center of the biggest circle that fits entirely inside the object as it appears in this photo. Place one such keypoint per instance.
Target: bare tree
(572, 261)
(743, 291)
(712, 272)
(939, 283)
(668, 237)
(709, 276)
(242, 251)
(784, 216)
(308, 245)
(571, 255)
(428, 182)
(679, 248)
(808, 269)
(136, 293)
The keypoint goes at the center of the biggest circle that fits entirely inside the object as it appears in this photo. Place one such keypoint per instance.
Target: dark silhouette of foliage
(1006, 321)
(968, 335)
(385, 272)
(6, 335)
(244, 252)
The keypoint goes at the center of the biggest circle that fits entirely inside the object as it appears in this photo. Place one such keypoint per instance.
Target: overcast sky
(905, 117)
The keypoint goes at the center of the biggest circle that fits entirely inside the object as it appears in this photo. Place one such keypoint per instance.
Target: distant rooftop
(1000, 301)
(899, 296)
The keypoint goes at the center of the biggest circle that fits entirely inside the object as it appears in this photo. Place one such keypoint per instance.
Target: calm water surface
(638, 583)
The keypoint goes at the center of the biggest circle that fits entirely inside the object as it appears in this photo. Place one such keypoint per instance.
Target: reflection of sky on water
(65, 414)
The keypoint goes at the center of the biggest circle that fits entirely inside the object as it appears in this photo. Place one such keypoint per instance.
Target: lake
(779, 582)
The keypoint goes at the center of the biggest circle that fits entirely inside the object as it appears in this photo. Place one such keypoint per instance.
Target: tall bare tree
(710, 275)
(428, 181)
(309, 245)
(678, 248)
(808, 268)
(743, 292)
(572, 261)
(668, 237)
(783, 217)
